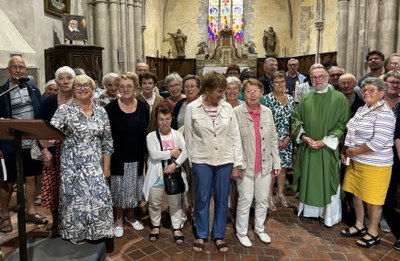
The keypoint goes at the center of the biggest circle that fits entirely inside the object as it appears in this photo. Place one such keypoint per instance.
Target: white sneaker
(136, 225)
(244, 240)
(118, 231)
(263, 237)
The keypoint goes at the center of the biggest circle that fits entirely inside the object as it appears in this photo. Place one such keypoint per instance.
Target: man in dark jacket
(21, 103)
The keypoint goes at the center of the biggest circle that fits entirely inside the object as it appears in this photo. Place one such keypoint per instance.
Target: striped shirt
(373, 126)
(212, 111)
(21, 108)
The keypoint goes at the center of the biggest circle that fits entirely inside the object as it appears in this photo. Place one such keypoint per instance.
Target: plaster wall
(38, 29)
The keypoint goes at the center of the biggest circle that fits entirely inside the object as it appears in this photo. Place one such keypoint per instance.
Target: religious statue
(269, 41)
(226, 35)
(180, 41)
(251, 47)
(202, 48)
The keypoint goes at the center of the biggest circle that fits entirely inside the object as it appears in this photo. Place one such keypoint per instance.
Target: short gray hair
(173, 77)
(107, 77)
(270, 59)
(65, 69)
(380, 84)
(234, 79)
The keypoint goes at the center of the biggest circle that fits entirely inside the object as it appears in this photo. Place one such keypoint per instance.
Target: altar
(218, 55)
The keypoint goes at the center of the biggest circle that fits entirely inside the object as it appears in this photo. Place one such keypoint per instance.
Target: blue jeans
(211, 179)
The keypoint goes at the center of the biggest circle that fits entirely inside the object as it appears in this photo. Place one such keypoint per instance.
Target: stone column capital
(319, 25)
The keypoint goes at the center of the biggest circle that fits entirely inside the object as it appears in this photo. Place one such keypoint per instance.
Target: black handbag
(173, 182)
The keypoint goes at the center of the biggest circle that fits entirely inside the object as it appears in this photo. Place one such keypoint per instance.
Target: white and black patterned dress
(85, 210)
(282, 116)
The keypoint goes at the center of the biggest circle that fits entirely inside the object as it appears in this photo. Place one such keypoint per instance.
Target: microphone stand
(20, 85)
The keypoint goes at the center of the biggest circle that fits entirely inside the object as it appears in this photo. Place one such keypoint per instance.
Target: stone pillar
(319, 25)
(360, 64)
(343, 18)
(90, 22)
(123, 32)
(351, 37)
(373, 24)
(101, 31)
(137, 13)
(387, 26)
(130, 41)
(113, 7)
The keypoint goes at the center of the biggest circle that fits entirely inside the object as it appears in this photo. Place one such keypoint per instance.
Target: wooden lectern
(19, 130)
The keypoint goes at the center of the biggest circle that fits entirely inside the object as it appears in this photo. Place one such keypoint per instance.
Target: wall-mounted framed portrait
(57, 7)
(74, 27)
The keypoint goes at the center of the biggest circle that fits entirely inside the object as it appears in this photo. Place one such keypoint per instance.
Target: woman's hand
(107, 173)
(47, 143)
(237, 173)
(351, 152)
(175, 153)
(47, 158)
(275, 172)
(170, 168)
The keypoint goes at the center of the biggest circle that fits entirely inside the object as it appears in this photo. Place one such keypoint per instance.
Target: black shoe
(397, 245)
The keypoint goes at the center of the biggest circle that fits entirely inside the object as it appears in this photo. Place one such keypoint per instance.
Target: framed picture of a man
(74, 27)
(57, 7)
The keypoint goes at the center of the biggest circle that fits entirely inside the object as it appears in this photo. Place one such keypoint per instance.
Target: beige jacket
(213, 143)
(269, 140)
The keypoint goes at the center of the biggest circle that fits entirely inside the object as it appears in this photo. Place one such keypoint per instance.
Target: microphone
(21, 80)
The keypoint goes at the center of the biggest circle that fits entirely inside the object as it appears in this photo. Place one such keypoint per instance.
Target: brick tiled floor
(292, 239)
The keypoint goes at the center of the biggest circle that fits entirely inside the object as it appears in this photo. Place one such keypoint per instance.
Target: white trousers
(331, 213)
(256, 187)
(155, 204)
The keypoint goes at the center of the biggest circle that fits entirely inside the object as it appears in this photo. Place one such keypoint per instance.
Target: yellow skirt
(368, 183)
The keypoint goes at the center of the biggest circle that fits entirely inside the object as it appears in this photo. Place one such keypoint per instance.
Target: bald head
(347, 83)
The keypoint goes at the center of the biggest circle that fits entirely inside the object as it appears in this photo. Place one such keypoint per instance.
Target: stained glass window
(225, 12)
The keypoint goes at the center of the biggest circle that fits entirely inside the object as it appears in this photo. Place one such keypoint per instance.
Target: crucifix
(285, 51)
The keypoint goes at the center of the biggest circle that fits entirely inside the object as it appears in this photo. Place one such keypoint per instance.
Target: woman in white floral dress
(85, 199)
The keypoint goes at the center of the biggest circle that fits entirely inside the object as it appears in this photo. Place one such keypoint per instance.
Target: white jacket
(156, 156)
(212, 143)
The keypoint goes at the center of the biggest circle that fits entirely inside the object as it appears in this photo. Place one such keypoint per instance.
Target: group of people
(231, 138)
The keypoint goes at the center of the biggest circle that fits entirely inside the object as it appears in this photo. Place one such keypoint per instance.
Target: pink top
(255, 115)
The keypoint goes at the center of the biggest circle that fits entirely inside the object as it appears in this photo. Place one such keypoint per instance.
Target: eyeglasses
(292, 64)
(319, 78)
(250, 92)
(84, 86)
(278, 82)
(370, 91)
(346, 84)
(17, 67)
(176, 85)
(126, 87)
(394, 83)
(395, 63)
(190, 86)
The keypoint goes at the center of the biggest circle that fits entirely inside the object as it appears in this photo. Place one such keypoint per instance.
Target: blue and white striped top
(373, 126)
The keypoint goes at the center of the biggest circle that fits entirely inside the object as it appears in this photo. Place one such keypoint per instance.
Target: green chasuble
(317, 173)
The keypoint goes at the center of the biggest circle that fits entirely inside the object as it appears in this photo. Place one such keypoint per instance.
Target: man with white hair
(270, 66)
(318, 123)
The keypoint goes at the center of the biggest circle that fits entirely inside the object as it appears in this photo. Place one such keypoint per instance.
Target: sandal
(36, 218)
(179, 239)
(358, 232)
(368, 242)
(153, 237)
(221, 245)
(5, 225)
(198, 245)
